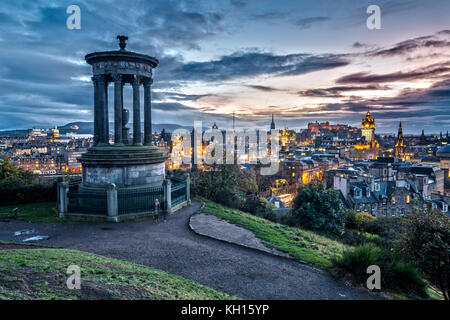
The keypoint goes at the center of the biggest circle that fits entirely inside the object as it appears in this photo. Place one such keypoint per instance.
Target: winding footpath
(172, 246)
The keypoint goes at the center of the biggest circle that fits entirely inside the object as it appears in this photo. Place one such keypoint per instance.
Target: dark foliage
(317, 208)
(427, 240)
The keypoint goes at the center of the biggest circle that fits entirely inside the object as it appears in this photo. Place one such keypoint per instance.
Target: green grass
(305, 246)
(32, 212)
(41, 274)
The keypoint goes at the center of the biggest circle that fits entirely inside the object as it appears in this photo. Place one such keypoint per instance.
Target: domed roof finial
(122, 42)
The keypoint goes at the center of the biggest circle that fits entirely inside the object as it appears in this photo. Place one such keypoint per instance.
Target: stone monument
(124, 163)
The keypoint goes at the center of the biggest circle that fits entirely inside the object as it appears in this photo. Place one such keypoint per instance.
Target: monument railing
(142, 200)
(179, 194)
(114, 203)
(87, 203)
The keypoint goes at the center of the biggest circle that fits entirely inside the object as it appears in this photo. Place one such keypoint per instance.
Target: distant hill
(88, 128)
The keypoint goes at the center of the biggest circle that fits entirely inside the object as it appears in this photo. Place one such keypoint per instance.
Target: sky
(301, 60)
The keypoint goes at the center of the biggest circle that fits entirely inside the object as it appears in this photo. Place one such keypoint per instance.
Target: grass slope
(305, 246)
(32, 212)
(41, 274)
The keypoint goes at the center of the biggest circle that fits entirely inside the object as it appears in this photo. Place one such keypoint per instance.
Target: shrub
(223, 183)
(350, 221)
(357, 260)
(13, 191)
(228, 197)
(397, 273)
(405, 277)
(386, 227)
(259, 207)
(427, 241)
(362, 219)
(317, 208)
(355, 238)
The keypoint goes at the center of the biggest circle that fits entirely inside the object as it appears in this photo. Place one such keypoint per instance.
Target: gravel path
(173, 247)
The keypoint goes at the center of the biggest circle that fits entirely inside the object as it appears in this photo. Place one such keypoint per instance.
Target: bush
(362, 219)
(386, 227)
(356, 238)
(357, 260)
(222, 184)
(13, 191)
(397, 273)
(317, 208)
(405, 277)
(427, 241)
(228, 197)
(259, 207)
(350, 219)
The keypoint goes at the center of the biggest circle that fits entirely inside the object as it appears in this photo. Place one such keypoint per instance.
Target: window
(408, 199)
(393, 199)
(445, 208)
(377, 187)
(357, 192)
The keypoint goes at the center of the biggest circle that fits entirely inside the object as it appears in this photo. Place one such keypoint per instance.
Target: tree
(224, 183)
(362, 219)
(259, 207)
(10, 171)
(427, 241)
(317, 208)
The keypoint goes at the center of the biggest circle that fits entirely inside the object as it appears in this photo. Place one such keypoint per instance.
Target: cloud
(439, 40)
(336, 92)
(423, 73)
(306, 23)
(262, 88)
(248, 64)
(238, 3)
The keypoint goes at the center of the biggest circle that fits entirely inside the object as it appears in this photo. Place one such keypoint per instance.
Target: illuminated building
(400, 146)
(367, 148)
(368, 128)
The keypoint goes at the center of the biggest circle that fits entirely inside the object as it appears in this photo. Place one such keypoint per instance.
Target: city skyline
(236, 56)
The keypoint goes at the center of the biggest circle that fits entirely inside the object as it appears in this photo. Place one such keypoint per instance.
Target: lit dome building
(367, 148)
(368, 128)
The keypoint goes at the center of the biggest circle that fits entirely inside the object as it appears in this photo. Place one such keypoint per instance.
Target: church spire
(272, 124)
(400, 146)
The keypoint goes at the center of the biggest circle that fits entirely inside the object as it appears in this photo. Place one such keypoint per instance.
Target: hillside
(41, 274)
(302, 245)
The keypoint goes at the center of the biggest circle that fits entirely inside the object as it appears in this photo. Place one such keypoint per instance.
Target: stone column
(106, 113)
(118, 96)
(112, 204)
(64, 199)
(100, 106)
(188, 188)
(137, 137)
(167, 185)
(147, 112)
(96, 110)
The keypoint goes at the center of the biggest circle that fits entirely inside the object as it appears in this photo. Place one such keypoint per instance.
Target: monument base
(124, 166)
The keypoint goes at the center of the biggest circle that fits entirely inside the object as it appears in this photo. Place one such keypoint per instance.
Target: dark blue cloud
(245, 64)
